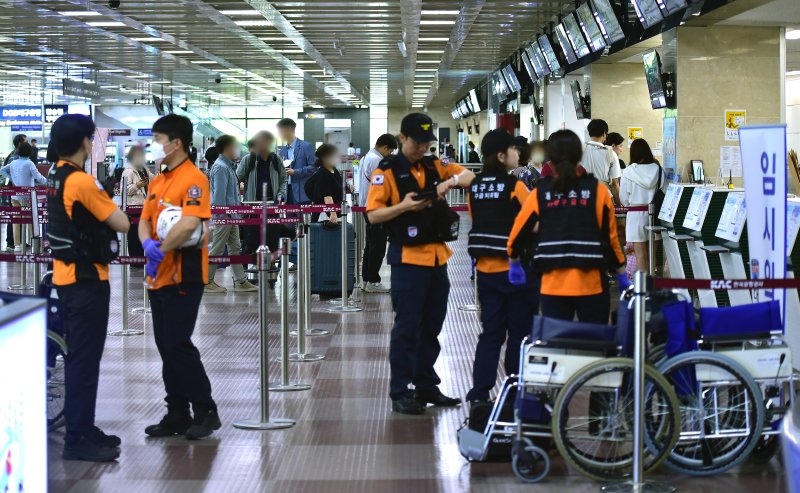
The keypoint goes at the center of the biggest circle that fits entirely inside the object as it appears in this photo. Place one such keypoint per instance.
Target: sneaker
(170, 425)
(101, 438)
(292, 267)
(408, 405)
(86, 449)
(8, 250)
(214, 288)
(204, 425)
(18, 249)
(437, 399)
(375, 287)
(244, 287)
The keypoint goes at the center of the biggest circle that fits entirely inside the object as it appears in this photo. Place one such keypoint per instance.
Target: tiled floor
(346, 438)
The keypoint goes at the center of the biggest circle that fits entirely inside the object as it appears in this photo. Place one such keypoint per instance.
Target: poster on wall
(733, 120)
(634, 133)
(669, 144)
(730, 162)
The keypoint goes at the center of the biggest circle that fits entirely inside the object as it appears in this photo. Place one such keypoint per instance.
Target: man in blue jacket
(298, 157)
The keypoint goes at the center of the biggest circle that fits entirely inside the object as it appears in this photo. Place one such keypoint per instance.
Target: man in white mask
(225, 191)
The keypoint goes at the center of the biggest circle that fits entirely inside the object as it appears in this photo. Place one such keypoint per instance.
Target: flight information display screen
(590, 28)
(669, 7)
(538, 59)
(576, 36)
(549, 54)
(607, 21)
(526, 60)
(648, 12)
(566, 46)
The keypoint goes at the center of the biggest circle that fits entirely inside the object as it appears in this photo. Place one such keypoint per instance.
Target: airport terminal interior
(415, 245)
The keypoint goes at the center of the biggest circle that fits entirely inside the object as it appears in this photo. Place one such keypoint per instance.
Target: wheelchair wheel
(529, 462)
(722, 412)
(593, 419)
(766, 448)
(56, 352)
(657, 354)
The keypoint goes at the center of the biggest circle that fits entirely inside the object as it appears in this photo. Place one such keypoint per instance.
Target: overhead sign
(145, 132)
(764, 166)
(53, 111)
(119, 132)
(80, 89)
(26, 128)
(21, 113)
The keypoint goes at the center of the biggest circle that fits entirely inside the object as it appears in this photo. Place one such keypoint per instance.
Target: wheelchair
(575, 388)
(732, 373)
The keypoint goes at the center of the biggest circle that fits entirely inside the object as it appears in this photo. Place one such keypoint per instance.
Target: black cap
(520, 141)
(418, 126)
(497, 140)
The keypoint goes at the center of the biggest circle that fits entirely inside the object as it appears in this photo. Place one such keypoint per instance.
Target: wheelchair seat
(566, 334)
(739, 323)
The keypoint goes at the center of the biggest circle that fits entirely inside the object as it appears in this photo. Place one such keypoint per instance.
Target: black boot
(87, 449)
(205, 422)
(170, 425)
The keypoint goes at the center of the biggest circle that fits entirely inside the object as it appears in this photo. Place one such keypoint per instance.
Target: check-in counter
(673, 211)
(732, 248)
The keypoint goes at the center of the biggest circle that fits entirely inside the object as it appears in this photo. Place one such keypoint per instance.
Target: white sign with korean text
(764, 165)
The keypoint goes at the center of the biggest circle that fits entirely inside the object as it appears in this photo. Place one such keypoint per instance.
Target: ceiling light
(203, 62)
(106, 24)
(439, 12)
(253, 23)
(437, 23)
(290, 51)
(434, 39)
(427, 70)
(79, 63)
(40, 53)
(81, 13)
(159, 82)
(240, 12)
(111, 71)
(793, 34)
(178, 52)
(429, 61)
(424, 75)
(274, 39)
(137, 76)
(151, 40)
(430, 52)
(109, 87)
(302, 61)
(793, 72)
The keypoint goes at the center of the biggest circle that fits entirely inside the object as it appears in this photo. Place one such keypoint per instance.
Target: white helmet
(172, 215)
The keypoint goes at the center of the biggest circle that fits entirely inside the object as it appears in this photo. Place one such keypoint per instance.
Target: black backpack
(658, 197)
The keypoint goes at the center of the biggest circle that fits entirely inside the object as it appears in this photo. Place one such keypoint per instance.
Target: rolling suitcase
(326, 258)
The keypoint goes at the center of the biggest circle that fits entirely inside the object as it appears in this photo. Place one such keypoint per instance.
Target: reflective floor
(346, 438)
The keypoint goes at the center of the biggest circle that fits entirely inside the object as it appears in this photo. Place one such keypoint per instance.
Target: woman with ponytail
(567, 228)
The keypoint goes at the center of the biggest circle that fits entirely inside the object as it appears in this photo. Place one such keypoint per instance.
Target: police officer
(176, 277)
(573, 217)
(495, 199)
(82, 231)
(406, 193)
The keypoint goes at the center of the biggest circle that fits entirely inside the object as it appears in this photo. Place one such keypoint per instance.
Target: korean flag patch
(377, 180)
(195, 192)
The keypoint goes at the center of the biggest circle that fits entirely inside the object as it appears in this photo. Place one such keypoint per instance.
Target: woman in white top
(640, 180)
(136, 177)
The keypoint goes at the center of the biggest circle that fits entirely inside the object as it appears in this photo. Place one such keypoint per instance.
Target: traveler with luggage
(137, 177)
(325, 185)
(407, 193)
(600, 160)
(507, 310)
(176, 247)
(82, 228)
(567, 226)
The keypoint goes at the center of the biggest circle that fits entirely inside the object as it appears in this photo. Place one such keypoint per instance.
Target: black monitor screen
(549, 54)
(526, 60)
(608, 21)
(648, 12)
(652, 72)
(473, 97)
(576, 36)
(500, 86)
(566, 46)
(511, 78)
(590, 28)
(537, 58)
(669, 7)
(576, 99)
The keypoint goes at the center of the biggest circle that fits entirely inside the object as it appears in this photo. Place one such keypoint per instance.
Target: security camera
(218, 79)
(113, 4)
(274, 98)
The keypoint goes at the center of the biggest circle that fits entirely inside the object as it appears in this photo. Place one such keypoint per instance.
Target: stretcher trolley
(574, 388)
(732, 373)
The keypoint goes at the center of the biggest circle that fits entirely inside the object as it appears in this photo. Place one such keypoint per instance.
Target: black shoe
(89, 450)
(170, 425)
(204, 425)
(407, 405)
(437, 399)
(101, 438)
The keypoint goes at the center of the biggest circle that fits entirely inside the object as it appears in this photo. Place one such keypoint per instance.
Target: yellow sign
(733, 120)
(635, 133)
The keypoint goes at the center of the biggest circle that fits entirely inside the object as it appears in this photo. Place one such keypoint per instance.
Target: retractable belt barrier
(724, 284)
(633, 208)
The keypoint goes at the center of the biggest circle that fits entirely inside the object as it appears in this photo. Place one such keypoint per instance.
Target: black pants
(85, 306)
(592, 309)
(507, 317)
(374, 252)
(185, 380)
(419, 299)
(135, 248)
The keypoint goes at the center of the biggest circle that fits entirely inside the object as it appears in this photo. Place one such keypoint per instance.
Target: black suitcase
(326, 258)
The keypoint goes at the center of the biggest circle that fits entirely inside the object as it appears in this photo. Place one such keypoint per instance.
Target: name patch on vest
(412, 231)
(572, 199)
(483, 191)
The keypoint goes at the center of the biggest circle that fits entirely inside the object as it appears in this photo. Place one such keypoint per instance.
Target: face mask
(157, 151)
(538, 157)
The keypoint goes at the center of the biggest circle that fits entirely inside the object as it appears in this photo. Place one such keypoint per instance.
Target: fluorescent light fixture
(439, 12)
(203, 62)
(290, 51)
(149, 39)
(302, 61)
(138, 76)
(428, 22)
(79, 63)
(419, 76)
(178, 52)
(111, 71)
(106, 24)
(253, 23)
(422, 40)
(109, 87)
(430, 61)
(275, 39)
(240, 12)
(430, 52)
(81, 13)
(793, 34)
(40, 53)
(159, 82)
(793, 72)
(427, 70)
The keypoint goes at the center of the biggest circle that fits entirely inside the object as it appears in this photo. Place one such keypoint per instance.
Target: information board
(734, 215)
(670, 205)
(698, 207)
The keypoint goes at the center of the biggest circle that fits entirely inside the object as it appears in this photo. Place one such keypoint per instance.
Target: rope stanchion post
(304, 300)
(475, 306)
(125, 331)
(23, 283)
(638, 484)
(36, 243)
(357, 221)
(306, 280)
(264, 422)
(285, 385)
(346, 305)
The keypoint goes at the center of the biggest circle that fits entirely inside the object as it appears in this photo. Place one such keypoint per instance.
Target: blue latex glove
(152, 251)
(151, 269)
(516, 274)
(623, 282)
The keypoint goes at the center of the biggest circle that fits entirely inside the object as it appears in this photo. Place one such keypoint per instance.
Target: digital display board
(473, 97)
(669, 7)
(549, 55)
(526, 60)
(648, 12)
(566, 46)
(607, 21)
(652, 72)
(539, 61)
(511, 78)
(576, 36)
(590, 28)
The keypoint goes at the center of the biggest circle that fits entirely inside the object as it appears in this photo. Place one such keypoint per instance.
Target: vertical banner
(763, 152)
(669, 144)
